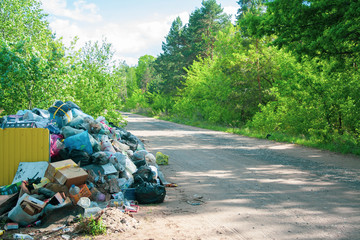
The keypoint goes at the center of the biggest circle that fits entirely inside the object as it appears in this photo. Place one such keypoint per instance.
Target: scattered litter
(58, 228)
(68, 229)
(196, 201)
(65, 236)
(193, 203)
(22, 236)
(171, 185)
(11, 226)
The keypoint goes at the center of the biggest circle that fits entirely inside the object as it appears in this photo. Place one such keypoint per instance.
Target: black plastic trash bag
(139, 163)
(80, 157)
(144, 173)
(146, 193)
(131, 140)
(59, 108)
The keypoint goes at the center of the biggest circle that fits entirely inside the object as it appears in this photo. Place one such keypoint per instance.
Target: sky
(133, 27)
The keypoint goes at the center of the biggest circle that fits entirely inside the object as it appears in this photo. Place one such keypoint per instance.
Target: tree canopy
(185, 43)
(317, 28)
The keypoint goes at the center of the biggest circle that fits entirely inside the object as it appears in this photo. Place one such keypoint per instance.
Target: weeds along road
(235, 187)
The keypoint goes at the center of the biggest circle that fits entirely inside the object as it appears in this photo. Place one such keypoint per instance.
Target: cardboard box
(32, 206)
(59, 198)
(66, 172)
(28, 209)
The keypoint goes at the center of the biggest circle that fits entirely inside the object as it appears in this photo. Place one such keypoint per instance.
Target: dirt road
(235, 187)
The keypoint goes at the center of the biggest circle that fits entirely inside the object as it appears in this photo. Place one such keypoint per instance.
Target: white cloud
(131, 61)
(130, 39)
(184, 16)
(127, 39)
(233, 11)
(68, 30)
(82, 11)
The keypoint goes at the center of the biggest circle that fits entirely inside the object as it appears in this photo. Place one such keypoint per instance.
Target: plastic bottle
(74, 192)
(119, 196)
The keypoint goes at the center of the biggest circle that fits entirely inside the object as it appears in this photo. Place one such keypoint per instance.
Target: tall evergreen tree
(184, 44)
(204, 23)
(170, 63)
(251, 6)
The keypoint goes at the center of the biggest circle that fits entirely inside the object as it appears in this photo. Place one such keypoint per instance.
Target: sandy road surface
(249, 188)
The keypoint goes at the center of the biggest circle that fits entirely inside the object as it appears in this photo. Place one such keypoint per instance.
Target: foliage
(313, 102)
(93, 226)
(254, 7)
(24, 20)
(315, 28)
(96, 80)
(160, 103)
(30, 60)
(24, 74)
(228, 87)
(170, 64)
(204, 24)
(184, 44)
(145, 71)
(131, 82)
(136, 101)
(315, 98)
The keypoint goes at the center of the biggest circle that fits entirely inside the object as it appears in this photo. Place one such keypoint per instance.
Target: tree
(131, 81)
(30, 60)
(315, 28)
(184, 44)
(223, 89)
(96, 82)
(26, 77)
(314, 96)
(249, 6)
(204, 23)
(24, 20)
(170, 64)
(144, 71)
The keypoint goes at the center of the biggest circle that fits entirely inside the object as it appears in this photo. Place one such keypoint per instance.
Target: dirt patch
(117, 222)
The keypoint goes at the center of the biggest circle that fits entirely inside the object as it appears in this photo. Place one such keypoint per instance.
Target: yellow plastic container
(21, 145)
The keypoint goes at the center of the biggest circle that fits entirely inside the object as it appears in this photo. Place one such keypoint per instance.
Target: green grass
(92, 226)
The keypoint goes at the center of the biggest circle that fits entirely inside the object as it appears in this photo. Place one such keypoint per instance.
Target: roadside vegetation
(286, 70)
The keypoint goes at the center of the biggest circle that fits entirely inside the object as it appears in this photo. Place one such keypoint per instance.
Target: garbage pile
(94, 164)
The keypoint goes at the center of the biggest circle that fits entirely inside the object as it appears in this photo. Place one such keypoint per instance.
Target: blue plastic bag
(79, 141)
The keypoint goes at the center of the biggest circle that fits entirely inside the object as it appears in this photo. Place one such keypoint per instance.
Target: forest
(286, 70)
